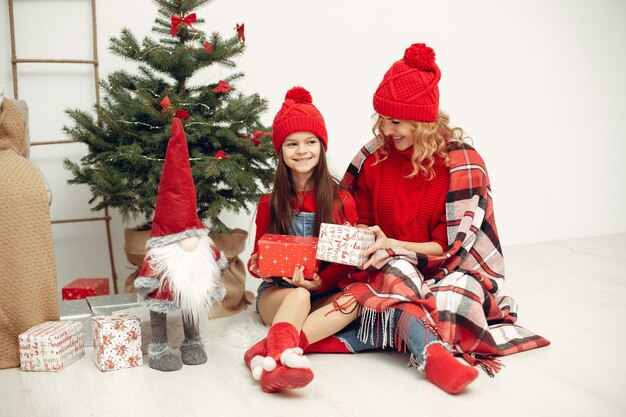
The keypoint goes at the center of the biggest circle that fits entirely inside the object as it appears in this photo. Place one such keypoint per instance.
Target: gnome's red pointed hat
(175, 213)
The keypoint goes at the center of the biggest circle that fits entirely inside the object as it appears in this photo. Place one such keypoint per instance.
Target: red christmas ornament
(182, 114)
(241, 32)
(208, 47)
(221, 155)
(177, 21)
(256, 134)
(222, 87)
(255, 141)
(165, 104)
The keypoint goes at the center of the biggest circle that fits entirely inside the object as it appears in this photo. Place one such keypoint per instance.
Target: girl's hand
(253, 265)
(299, 281)
(254, 268)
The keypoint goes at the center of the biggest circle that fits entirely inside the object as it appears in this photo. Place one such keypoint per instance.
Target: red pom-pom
(420, 56)
(299, 95)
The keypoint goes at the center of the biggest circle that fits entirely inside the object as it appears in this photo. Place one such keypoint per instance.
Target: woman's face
(399, 131)
(301, 152)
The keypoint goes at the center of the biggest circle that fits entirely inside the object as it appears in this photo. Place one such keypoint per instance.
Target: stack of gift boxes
(85, 319)
(279, 255)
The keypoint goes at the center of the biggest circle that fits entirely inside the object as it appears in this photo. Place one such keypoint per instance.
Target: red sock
(443, 370)
(331, 344)
(283, 336)
(304, 341)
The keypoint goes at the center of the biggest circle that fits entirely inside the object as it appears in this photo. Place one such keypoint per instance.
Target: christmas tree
(231, 157)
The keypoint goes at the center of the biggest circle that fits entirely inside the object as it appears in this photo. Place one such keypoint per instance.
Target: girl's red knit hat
(409, 89)
(298, 114)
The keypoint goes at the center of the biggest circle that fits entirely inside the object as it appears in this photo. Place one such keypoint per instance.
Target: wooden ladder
(94, 61)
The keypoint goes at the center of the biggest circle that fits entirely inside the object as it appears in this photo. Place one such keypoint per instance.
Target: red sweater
(330, 275)
(407, 209)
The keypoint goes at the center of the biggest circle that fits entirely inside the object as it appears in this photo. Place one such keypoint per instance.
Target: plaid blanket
(459, 291)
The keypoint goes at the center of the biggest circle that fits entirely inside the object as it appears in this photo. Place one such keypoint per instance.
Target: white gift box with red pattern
(51, 346)
(343, 244)
(116, 342)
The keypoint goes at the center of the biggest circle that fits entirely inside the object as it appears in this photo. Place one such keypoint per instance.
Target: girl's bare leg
(328, 319)
(280, 304)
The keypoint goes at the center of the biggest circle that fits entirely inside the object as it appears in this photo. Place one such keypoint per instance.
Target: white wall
(537, 84)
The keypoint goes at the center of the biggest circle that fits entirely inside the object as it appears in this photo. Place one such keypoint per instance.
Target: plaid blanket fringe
(458, 293)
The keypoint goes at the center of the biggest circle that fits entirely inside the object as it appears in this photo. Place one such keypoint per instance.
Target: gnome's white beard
(193, 278)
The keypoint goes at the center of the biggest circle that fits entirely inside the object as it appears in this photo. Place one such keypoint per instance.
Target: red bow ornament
(177, 21)
(182, 114)
(222, 87)
(221, 155)
(241, 32)
(256, 136)
(208, 47)
(165, 104)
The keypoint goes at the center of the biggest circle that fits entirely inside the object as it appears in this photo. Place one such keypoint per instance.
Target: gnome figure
(183, 268)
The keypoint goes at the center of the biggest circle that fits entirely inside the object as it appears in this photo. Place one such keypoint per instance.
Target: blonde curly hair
(429, 139)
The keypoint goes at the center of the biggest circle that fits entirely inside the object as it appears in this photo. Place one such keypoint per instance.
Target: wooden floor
(571, 292)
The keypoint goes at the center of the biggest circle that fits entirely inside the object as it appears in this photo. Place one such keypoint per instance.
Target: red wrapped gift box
(280, 254)
(85, 287)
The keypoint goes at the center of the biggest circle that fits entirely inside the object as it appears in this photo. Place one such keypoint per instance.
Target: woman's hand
(382, 242)
(299, 281)
(253, 267)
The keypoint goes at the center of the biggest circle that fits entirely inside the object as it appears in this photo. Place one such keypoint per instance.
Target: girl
(304, 196)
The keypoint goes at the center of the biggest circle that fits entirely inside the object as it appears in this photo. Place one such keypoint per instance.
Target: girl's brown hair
(326, 189)
(429, 139)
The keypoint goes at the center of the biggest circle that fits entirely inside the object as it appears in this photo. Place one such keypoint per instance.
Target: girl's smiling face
(301, 152)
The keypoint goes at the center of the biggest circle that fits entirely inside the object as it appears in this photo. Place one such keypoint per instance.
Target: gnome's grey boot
(161, 356)
(192, 349)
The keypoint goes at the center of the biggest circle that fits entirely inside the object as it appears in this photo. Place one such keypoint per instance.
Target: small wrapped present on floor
(85, 287)
(343, 244)
(280, 254)
(106, 304)
(116, 342)
(77, 310)
(51, 346)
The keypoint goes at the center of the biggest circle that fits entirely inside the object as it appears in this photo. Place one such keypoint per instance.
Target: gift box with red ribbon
(343, 244)
(85, 287)
(279, 255)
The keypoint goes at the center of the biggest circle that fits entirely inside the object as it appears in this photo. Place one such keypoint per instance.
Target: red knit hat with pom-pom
(298, 114)
(409, 89)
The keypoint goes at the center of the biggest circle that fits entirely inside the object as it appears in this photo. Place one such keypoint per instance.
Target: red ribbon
(177, 21)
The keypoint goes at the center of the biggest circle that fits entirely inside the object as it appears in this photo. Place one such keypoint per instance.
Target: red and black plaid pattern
(459, 290)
